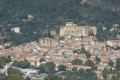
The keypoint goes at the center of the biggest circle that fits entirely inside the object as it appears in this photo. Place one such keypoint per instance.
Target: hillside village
(64, 50)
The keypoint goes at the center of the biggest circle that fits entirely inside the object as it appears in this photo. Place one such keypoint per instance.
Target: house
(48, 42)
(113, 43)
(100, 77)
(100, 67)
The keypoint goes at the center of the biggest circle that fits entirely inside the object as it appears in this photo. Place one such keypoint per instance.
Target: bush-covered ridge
(50, 14)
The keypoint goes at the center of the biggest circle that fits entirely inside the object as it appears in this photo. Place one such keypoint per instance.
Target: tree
(50, 66)
(104, 75)
(55, 77)
(88, 55)
(110, 63)
(118, 64)
(74, 69)
(75, 51)
(81, 71)
(49, 14)
(32, 67)
(77, 62)
(50, 69)
(80, 75)
(88, 70)
(105, 71)
(97, 59)
(94, 67)
(82, 49)
(89, 63)
(22, 64)
(14, 71)
(41, 68)
(27, 78)
(42, 59)
(2, 62)
(13, 74)
(61, 68)
(114, 77)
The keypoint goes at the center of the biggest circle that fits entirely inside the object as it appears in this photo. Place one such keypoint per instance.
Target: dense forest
(51, 14)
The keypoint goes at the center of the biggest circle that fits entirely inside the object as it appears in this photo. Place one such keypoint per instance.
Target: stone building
(48, 42)
(71, 29)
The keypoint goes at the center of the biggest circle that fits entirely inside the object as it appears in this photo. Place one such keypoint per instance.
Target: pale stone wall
(48, 42)
(62, 31)
(73, 30)
(94, 29)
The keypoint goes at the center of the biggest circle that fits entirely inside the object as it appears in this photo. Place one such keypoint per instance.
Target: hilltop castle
(71, 29)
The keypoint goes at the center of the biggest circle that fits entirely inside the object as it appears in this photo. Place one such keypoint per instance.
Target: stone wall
(73, 30)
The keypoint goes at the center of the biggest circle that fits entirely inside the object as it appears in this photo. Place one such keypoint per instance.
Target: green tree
(75, 51)
(97, 59)
(55, 77)
(27, 78)
(41, 68)
(81, 71)
(74, 69)
(118, 64)
(82, 51)
(22, 64)
(104, 75)
(114, 77)
(13, 74)
(53, 14)
(50, 69)
(88, 55)
(42, 59)
(77, 62)
(50, 66)
(61, 68)
(110, 63)
(89, 63)
(105, 71)
(2, 62)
